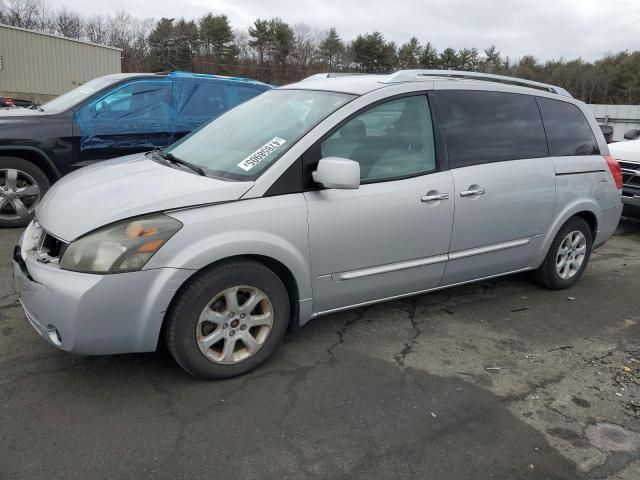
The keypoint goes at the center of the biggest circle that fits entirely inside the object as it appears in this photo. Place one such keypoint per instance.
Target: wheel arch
(276, 266)
(34, 155)
(591, 219)
(586, 210)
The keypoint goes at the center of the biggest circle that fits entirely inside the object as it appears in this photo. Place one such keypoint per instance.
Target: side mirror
(632, 134)
(335, 172)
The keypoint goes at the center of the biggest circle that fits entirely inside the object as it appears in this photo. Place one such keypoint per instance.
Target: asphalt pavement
(497, 380)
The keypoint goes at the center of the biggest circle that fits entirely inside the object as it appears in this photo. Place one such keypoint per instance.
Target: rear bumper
(95, 314)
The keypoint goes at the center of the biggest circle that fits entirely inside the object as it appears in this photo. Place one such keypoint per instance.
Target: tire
(186, 332)
(549, 275)
(15, 188)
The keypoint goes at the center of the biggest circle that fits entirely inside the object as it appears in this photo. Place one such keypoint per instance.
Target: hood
(627, 150)
(13, 114)
(125, 187)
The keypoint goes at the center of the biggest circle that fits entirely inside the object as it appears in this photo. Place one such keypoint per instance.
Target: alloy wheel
(19, 194)
(234, 325)
(571, 254)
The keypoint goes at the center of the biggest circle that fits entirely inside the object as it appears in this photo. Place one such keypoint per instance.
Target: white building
(37, 66)
(620, 117)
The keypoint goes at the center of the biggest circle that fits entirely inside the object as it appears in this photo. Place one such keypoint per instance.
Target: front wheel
(228, 320)
(568, 256)
(22, 186)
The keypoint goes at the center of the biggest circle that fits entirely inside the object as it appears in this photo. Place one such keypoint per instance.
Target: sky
(547, 29)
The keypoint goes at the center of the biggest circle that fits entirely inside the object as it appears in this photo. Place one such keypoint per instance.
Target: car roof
(189, 76)
(357, 84)
(360, 84)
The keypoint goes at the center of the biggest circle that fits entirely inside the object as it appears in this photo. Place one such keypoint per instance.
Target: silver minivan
(325, 195)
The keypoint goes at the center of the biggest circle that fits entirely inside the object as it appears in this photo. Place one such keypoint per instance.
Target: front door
(391, 236)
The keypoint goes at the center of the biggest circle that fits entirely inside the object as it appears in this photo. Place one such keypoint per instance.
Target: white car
(628, 155)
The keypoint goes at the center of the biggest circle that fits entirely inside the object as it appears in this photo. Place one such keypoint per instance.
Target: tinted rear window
(568, 131)
(484, 127)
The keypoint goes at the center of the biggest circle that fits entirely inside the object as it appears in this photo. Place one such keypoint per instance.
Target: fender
(274, 227)
(225, 245)
(52, 167)
(568, 211)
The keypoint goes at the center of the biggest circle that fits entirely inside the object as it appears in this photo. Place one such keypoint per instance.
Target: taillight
(9, 101)
(616, 170)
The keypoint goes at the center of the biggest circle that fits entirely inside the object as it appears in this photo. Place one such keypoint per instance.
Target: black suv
(107, 117)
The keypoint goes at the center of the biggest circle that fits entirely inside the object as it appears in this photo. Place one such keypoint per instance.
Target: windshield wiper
(36, 106)
(173, 159)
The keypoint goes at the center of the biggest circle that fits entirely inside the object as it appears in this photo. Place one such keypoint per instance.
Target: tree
(186, 41)
(95, 29)
(305, 45)
(22, 13)
(331, 47)
(217, 37)
(373, 53)
(469, 59)
(272, 50)
(429, 57)
(409, 54)
(449, 59)
(492, 60)
(67, 23)
(241, 46)
(260, 35)
(282, 40)
(528, 67)
(162, 46)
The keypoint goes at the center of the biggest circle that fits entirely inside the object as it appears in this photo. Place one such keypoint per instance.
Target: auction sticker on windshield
(263, 152)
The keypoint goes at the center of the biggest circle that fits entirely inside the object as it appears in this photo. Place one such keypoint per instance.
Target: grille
(630, 173)
(48, 249)
(51, 246)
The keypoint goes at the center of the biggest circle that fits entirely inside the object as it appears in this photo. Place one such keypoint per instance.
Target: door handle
(433, 198)
(471, 193)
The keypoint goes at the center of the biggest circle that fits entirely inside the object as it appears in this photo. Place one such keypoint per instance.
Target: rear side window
(483, 127)
(568, 132)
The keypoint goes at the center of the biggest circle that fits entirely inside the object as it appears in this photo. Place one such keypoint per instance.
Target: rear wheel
(228, 320)
(568, 256)
(22, 186)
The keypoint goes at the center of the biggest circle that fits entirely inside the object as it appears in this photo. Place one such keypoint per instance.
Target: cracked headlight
(120, 247)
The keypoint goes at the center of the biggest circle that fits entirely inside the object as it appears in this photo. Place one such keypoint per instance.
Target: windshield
(77, 95)
(243, 142)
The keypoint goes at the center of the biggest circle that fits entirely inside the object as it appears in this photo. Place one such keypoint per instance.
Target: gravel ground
(499, 379)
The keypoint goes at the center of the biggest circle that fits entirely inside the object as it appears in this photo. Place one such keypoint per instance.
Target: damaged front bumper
(93, 314)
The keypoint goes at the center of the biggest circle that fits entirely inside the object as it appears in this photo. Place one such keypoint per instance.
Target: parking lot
(499, 379)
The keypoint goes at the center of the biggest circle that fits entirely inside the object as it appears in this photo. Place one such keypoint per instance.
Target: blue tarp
(150, 112)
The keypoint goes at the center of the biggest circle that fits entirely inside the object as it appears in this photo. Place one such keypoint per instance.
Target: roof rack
(330, 75)
(413, 75)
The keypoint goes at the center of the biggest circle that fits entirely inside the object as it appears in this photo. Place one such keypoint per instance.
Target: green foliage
(429, 57)
(448, 59)
(331, 48)
(273, 40)
(409, 54)
(274, 51)
(217, 37)
(373, 53)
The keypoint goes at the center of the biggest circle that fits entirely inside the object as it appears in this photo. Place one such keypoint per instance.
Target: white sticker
(262, 153)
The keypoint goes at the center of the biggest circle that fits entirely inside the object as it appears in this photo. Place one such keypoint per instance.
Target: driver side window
(390, 140)
(138, 106)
